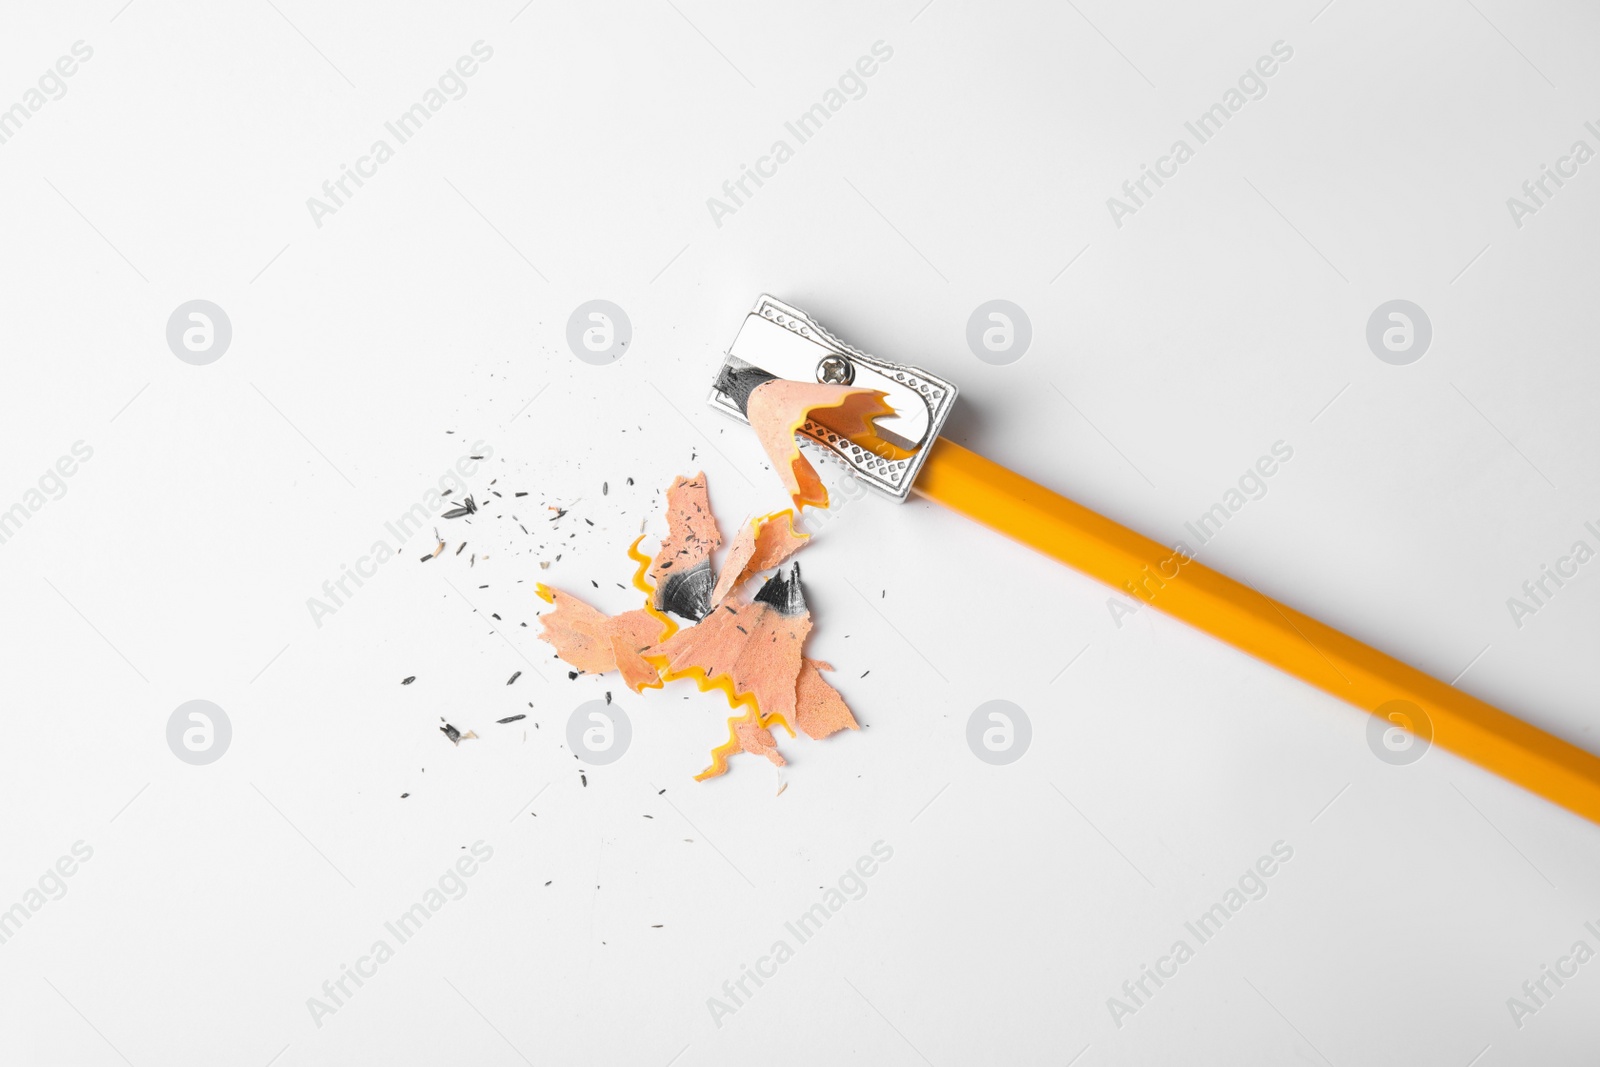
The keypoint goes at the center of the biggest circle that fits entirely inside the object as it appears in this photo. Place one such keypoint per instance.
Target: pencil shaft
(1271, 631)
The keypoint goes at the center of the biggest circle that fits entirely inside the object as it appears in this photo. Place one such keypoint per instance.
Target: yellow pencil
(777, 340)
(1249, 620)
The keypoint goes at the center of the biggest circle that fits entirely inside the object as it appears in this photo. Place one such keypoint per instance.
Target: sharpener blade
(779, 341)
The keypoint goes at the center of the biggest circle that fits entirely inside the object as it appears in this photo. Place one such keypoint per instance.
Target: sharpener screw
(835, 370)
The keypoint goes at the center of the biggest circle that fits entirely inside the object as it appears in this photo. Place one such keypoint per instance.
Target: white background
(1227, 314)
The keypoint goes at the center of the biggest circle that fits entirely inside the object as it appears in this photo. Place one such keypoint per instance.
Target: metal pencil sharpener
(779, 341)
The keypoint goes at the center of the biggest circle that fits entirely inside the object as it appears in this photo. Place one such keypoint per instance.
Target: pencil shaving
(681, 570)
(819, 709)
(762, 543)
(779, 408)
(755, 645)
(595, 643)
(751, 650)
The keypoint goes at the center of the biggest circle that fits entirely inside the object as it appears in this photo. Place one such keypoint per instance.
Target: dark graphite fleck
(782, 591)
(688, 593)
